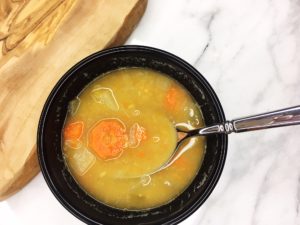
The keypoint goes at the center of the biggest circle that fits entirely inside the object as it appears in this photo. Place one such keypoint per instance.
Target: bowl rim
(128, 48)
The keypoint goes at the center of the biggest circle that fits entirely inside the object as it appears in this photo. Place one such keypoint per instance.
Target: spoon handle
(279, 118)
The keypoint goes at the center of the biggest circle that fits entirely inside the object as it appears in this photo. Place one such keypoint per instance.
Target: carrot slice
(108, 138)
(73, 131)
(174, 98)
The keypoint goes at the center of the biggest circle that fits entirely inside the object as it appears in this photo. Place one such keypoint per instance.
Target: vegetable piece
(74, 106)
(83, 160)
(73, 131)
(105, 96)
(75, 144)
(137, 133)
(108, 138)
(175, 98)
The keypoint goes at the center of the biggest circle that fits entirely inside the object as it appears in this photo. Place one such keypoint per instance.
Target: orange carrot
(108, 138)
(174, 98)
(73, 131)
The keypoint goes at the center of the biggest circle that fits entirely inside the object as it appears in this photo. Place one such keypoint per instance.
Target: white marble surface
(249, 50)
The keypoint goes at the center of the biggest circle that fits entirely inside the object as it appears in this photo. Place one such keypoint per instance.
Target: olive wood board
(39, 41)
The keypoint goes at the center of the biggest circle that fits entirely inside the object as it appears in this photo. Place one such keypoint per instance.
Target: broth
(121, 127)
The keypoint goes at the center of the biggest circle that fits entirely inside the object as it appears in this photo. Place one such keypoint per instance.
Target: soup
(121, 128)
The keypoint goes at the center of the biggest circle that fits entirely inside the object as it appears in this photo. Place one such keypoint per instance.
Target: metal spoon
(278, 118)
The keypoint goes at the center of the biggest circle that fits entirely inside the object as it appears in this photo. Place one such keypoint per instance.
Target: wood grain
(39, 41)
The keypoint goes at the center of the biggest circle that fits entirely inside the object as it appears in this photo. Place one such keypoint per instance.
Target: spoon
(279, 118)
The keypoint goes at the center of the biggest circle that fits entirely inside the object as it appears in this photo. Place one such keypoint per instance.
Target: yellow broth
(142, 106)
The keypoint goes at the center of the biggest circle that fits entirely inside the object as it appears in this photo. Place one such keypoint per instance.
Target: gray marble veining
(249, 51)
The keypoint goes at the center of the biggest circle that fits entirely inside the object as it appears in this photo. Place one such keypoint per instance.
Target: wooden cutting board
(39, 41)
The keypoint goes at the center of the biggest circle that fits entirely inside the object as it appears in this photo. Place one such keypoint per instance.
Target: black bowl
(55, 171)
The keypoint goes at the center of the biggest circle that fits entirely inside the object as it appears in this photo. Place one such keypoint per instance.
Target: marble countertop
(249, 51)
